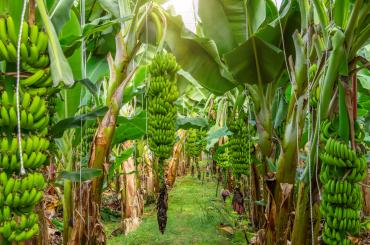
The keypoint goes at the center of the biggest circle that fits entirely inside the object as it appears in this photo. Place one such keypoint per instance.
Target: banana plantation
(184, 122)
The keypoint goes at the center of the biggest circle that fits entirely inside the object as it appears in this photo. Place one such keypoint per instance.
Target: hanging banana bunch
(315, 92)
(202, 139)
(162, 114)
(20, 193)
(88, 132)
(195, 143)
(240, 149)
(33, 47)
(87, 138)
(192, 143)
(341, 170)
(222, 157)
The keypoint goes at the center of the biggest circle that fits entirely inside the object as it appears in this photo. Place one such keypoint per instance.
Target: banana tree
(122, 69)
(131, 200)
(341, 38)
(233, 105)
(129, 135)
(250, 51)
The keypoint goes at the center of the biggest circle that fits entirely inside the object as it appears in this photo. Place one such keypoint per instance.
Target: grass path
(189, 220)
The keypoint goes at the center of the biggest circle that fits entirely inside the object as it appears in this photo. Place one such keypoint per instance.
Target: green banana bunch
(32, 143)
(342, 167)
(315, 92)
(23, 223)
(7, 29)
(240, 149)
(27, 182)
(38, 81)
(20, 194)
(193, 145)
(330, 128)
(33, 115)
(28, 120)
(33, 47)
(5, 214)
(315, 96)
(162, 112)
(25, 230)
(222, 156)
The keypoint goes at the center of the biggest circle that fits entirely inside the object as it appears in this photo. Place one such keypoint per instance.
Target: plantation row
(104, 103)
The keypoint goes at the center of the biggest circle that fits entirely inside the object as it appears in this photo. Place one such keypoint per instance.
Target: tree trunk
(192, 163)
(175, 160)
(67, 209)
(181, 168)
(149, 184)
(282, 192)
(199, 172)
(88, 228)
(133, 201)
(150, 187)
(257, 215)
(366, 194)
(43, 238)
(67, 189)
(299, 234)
(230, 184)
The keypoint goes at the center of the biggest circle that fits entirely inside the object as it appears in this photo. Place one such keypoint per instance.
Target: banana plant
(341, 38)
(122, 68)
(67, 27)
(222, 62)
(250, 51)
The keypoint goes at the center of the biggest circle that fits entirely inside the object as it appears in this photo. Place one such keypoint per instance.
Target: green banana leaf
(190, 87)
(191, 122)
(252, 57)
(130, 128)
(110, 6)
(217, 29)
(83, 175)
(243, 60)
(76, 121)
(60, 13)
(136, 85)
(214, 134)
(97, 68)
(198, 56)
(118, 161)
(60, 68)
(256, 11)
(236, 15)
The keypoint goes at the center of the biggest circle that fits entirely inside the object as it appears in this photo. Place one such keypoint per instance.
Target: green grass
(191, 218)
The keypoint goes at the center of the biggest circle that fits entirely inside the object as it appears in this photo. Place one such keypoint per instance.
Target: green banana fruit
(42, 42)
(34, 34)
(11, 30)
(4, 51)
(33, 79)
(35, 104)
(3, 31)
(25, 29)
(34, 54)
(12, 52)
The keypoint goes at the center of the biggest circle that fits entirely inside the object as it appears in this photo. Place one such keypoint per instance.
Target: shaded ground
(192, 218)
